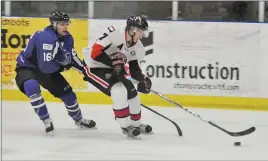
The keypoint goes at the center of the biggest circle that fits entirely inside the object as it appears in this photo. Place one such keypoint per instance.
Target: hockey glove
(118, 66)
(145, 85)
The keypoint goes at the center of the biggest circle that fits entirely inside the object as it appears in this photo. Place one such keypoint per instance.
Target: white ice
(23, 136)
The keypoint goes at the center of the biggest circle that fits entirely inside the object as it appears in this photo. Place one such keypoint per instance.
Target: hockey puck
(237, 143)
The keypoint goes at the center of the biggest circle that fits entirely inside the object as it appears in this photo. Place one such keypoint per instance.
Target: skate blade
(130, 137)
(145, 133)
(87, 128)
(50, 134)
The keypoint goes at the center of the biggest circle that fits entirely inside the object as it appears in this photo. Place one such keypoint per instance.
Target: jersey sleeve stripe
(96, 78)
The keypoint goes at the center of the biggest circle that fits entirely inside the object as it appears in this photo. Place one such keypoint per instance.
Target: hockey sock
(32, 90)
(135, 111)
(120, 105)
(72, 106)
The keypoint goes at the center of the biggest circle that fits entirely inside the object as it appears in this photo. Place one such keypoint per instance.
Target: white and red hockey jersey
(111, 41)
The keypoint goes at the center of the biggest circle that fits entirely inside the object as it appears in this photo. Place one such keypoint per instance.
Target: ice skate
(131, 132)
(85, 123)
(145, 129)
(49, 126)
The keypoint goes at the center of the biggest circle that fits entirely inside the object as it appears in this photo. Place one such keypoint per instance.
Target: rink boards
(198, 64)
(192, 101)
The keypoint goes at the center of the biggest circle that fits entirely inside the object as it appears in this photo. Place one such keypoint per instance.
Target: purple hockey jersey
(44, 48)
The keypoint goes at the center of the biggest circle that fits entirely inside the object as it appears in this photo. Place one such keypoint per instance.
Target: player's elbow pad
(103, 57)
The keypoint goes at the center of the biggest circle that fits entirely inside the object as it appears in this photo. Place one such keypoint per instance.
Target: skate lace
(85, 121)
(130, 128)
(47, 122)
(142, 126)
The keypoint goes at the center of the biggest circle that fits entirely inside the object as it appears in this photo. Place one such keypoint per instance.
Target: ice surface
(23, 136)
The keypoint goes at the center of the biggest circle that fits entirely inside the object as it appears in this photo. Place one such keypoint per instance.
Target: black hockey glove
(65, 68)
(118, 66)
(145, 86)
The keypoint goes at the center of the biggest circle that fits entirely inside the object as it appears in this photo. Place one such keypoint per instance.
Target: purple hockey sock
(72, 106)
(32, 90)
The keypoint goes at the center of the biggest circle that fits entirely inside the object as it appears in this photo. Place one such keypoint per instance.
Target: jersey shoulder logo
(132, 53)
(47, 46)
(111, 28)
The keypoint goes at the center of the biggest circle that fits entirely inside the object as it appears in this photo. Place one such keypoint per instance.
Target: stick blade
(177, 127)
(242, 133)
(174, 123)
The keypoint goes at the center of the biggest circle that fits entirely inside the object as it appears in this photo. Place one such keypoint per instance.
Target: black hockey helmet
(58, 16)
(137, 21)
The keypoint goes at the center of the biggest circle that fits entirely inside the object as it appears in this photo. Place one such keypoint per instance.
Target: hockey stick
(241, 133)
(174, 123)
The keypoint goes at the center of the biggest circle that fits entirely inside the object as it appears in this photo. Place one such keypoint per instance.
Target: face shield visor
(146, 33)
(61, 23)
(138, 32)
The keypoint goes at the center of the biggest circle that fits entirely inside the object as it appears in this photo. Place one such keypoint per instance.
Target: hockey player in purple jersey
(48, 53)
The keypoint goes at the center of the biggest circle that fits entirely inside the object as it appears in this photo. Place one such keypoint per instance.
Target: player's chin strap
(241, 133)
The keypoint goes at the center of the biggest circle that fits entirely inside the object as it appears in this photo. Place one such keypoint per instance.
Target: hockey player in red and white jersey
(105, 69)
